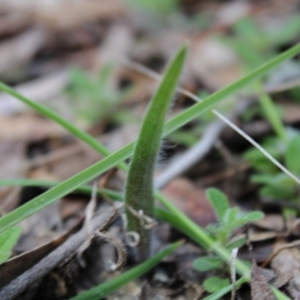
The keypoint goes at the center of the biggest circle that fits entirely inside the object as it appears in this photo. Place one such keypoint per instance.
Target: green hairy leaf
(139, 185)
(214, 284)
(219, 202)
(254, 216)
(208, 263)
(236, 243)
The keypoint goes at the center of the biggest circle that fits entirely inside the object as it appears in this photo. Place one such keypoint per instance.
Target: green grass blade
(271, 113)
(139, 184)
(106, 288)
(8, 239)
(43, 110)
(54, 117)
(220, 95)
(64, 188)
(85, 189)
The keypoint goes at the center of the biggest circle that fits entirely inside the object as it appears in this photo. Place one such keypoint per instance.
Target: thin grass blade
(85, 189)
(220, 95)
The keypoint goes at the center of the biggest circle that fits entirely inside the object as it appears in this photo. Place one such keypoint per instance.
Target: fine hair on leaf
(139, 185)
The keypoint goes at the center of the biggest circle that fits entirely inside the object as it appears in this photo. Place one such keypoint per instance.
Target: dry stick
(234, 253)
(191, 156)
(197, 152)
(59, 255)
(157, 77)
(88, 226)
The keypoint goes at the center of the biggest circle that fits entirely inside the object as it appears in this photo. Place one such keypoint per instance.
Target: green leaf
(219, 202)
(139, 184)
(254, 216)
(214, 284)
(85, 189)
(8, 239)
(231, 216)
(292, 156)
(236, 243)
(208, 263)
(267, 179)
(108, 287)
(272, 114)
(277, 192)
(218, 294)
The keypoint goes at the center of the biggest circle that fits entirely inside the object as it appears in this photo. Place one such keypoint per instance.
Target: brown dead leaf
(14, 22)
(68, 13)
(260, 289)
(271, 222)
(20, 49)
(278, 226)
(214, 63)
(40, 228)
(117, 139)
(71, 206)
(286, 265)
(190, 200)
(28, 127)
(291, 111)
(257, 236)
(12, 153)
(73, 164)
(40, 90)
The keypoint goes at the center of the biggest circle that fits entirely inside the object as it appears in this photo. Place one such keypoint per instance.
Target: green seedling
(275, 184)
(285, 147)
(94, 99)
(8, 239)
(229, 220)
(255, 44)
(214, 284)
(139, 196)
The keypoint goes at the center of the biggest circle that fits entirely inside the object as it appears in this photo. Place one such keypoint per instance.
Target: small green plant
(174, 216)
(139, 196)
(255, 44)
(94, 99)
(8, 239)
(229, 220)
(275, 184)
(284, 147)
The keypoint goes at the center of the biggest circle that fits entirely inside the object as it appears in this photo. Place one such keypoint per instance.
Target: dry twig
(65, 251)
